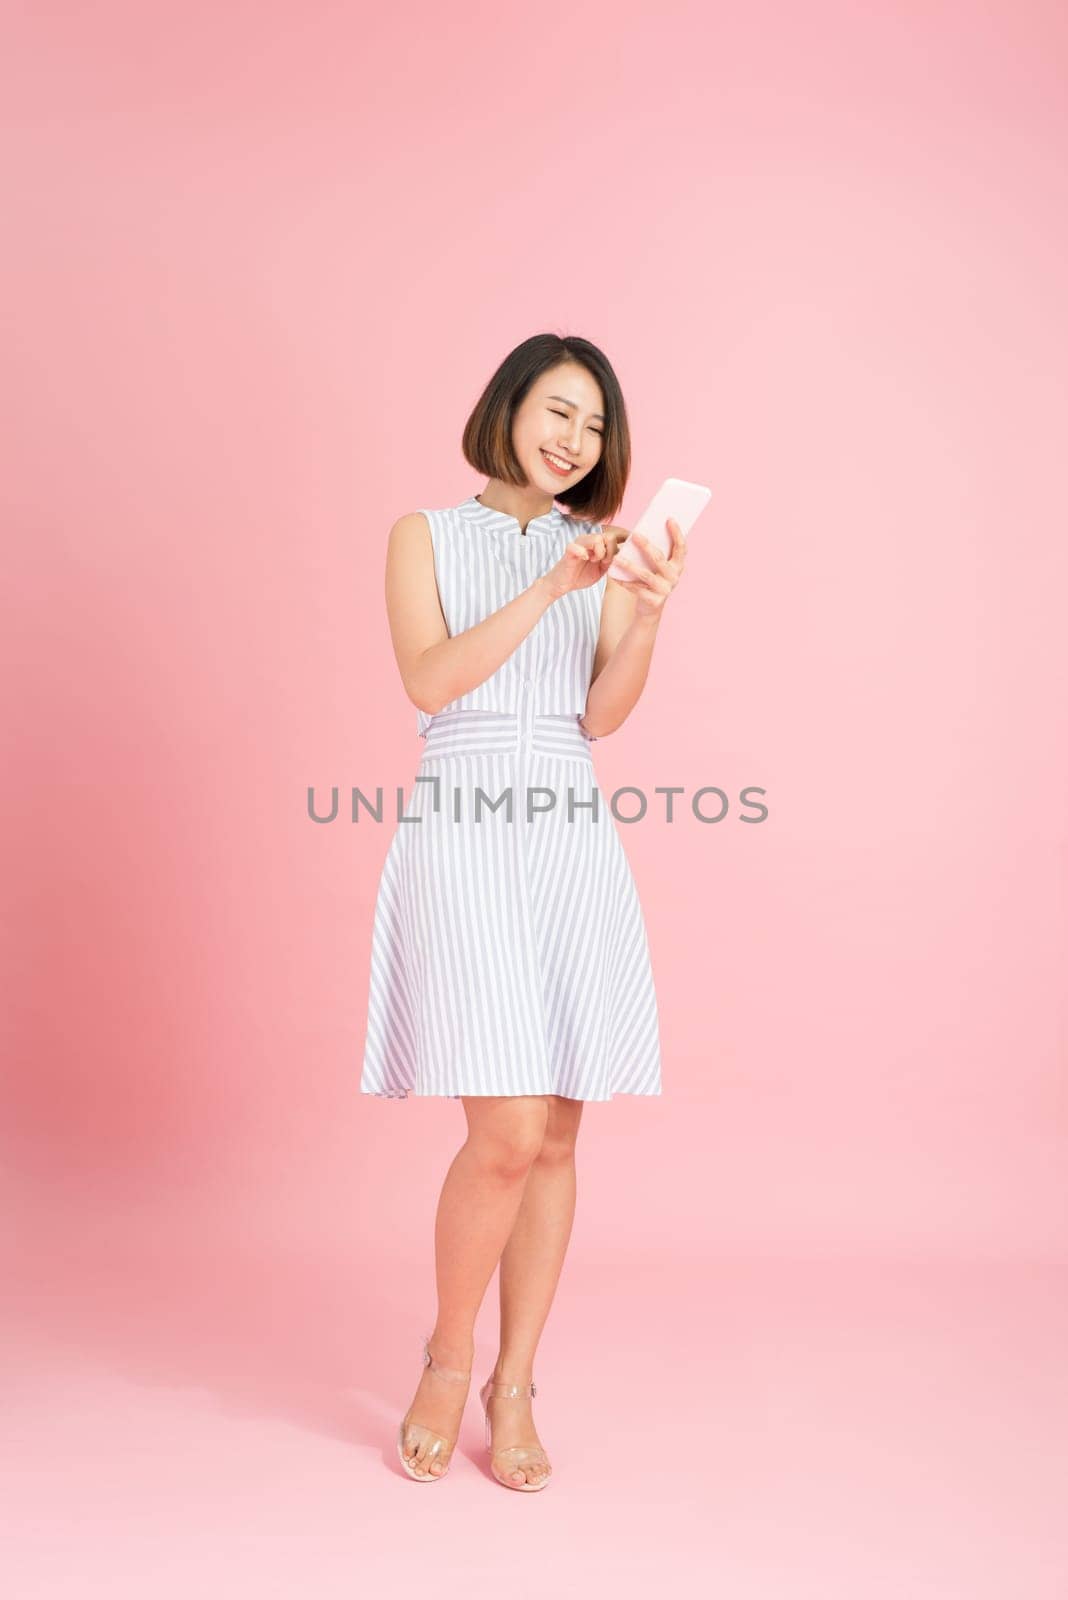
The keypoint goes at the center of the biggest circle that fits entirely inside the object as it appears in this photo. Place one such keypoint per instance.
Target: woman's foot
(517, 1454)
(432, 1423)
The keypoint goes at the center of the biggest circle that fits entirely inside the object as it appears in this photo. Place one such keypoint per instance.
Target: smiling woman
(510, 967)
(555, 396)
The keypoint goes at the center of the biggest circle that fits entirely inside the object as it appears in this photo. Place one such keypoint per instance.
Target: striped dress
(508, 951)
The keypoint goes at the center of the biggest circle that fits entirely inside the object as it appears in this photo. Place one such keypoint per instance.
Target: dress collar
(500, 522)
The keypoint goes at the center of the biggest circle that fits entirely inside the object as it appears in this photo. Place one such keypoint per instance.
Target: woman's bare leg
(477, 1209)
(530, 1270)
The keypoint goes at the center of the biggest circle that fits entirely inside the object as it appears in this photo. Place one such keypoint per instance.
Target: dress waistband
(506, 733)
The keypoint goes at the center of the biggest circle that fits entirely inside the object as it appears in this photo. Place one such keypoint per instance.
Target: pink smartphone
(675, 498)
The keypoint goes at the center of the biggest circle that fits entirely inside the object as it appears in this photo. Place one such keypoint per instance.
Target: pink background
(260, 261)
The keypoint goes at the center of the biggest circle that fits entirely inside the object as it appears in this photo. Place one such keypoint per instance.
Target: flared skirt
(509, 953)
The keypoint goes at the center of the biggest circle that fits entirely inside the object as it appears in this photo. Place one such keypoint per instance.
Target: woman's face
(562, 417)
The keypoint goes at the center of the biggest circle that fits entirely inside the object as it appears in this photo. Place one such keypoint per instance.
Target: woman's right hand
(583, 563)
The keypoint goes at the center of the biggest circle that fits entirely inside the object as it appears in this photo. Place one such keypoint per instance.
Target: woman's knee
(561, 1132)
(507, 1137)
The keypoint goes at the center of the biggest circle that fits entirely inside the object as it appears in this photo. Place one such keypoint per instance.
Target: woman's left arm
(630, 620)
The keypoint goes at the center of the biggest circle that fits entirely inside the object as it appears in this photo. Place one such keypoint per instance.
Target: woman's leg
(476, 1212)
(530, 1269)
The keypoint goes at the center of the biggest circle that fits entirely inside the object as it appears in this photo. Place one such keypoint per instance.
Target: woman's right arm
(435, 669)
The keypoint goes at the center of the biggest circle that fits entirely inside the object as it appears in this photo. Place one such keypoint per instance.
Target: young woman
(509, 962)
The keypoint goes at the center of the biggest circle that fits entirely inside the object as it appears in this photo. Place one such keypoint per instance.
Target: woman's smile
(558, 465)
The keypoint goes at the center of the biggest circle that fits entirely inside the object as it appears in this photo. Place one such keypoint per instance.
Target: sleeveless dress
(508, 951)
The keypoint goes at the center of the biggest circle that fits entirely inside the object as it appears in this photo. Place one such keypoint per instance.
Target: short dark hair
(487, 439)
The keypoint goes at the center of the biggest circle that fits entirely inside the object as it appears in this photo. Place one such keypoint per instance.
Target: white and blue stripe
(482, 561)
(509, 952)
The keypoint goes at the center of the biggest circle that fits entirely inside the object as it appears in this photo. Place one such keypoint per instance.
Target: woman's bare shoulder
(410, 533)
(411, 525)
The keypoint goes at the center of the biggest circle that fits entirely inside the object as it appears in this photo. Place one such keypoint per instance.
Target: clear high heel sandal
(416, 1434)
(505, 1461)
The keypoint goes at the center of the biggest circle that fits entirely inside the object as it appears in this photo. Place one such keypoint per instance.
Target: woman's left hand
(652, 587)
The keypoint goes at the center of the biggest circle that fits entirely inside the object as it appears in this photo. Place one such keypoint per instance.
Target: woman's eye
(563, 414)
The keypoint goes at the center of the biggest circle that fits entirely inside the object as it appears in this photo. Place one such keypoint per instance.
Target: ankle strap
(450, 1374)
(510, 1391)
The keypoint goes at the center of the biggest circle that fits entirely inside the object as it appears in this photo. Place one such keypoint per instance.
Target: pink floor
(190, 1422)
